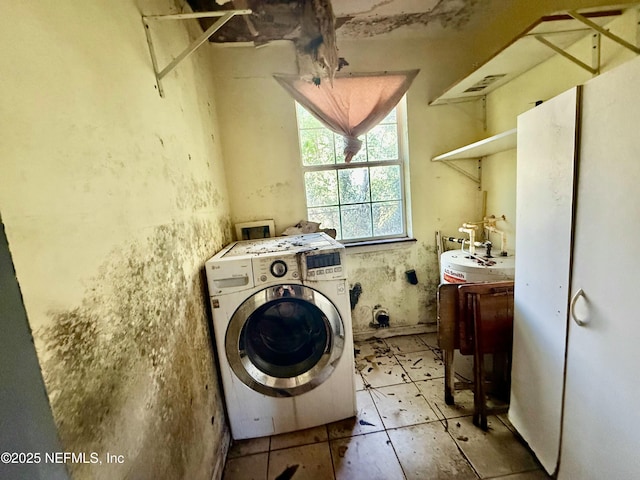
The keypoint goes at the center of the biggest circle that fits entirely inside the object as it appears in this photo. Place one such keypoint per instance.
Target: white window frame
(402, 162)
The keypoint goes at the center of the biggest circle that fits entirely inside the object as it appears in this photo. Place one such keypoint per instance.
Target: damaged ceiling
(314, 25)
(288, 19)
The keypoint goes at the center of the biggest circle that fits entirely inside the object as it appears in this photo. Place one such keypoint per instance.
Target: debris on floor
(288, 473)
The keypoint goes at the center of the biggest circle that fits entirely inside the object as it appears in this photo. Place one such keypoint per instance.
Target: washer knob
(278, 268)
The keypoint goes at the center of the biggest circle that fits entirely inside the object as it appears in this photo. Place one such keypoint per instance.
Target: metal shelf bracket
(475, 179)
(147, 20)
(594, 69)
(604, 32)
(595, 46)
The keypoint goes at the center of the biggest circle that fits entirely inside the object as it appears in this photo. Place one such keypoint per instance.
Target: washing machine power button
(278, 268)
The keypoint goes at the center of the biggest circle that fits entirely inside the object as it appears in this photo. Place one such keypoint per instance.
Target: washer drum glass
(285, 340)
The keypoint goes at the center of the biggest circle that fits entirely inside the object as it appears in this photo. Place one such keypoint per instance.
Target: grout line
(268, 457)
(333, 463)
(393, 447)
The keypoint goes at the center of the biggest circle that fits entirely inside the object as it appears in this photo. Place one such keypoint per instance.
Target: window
(363, 199)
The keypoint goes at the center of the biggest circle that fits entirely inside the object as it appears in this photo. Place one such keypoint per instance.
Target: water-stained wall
(113, 198)
(384, 283)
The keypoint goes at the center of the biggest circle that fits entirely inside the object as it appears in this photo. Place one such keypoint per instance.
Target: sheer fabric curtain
(354, 104)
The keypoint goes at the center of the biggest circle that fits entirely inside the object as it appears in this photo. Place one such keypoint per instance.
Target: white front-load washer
(282, 327)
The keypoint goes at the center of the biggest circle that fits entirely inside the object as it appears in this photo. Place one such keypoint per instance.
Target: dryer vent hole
(381, 317)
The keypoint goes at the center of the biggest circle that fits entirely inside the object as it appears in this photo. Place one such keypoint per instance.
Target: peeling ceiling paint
(284, 19)
(452, 14)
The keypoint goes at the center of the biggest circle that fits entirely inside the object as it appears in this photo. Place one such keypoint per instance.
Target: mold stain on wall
(130, 371)
(428, 259)
(383, 281)
(197, 194)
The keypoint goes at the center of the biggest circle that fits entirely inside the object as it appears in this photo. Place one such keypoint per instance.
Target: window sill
(380, 243)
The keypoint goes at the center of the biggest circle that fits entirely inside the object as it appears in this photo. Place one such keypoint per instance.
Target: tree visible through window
(363, 199)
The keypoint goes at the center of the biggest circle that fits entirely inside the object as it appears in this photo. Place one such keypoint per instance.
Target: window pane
(385, 183)
(316, 146)
(387, 218)
(391, 117)
(327, 217)
(356, 221)
(382, 143)
(305, 119)
(363, 200)
(354, 185)
(361, 156)
(321, 188)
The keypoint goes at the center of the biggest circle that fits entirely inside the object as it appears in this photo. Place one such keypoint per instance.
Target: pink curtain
(353, 105)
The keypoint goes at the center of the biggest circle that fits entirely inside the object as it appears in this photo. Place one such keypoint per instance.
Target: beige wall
(112, 198)
(543, 82)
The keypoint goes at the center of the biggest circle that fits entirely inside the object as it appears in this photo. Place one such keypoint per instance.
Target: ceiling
(315, 26)
(285, 19)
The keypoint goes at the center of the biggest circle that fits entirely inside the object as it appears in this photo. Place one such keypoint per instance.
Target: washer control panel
(270, 269)
(324, 265)
(312, 265)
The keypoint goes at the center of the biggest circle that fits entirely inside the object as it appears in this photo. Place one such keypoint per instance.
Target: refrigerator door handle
(574, 299)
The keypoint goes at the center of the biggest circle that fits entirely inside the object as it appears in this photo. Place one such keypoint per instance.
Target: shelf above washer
(548, 36)
(488, 146)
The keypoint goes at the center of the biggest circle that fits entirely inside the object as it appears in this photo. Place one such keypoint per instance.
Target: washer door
(284, 340)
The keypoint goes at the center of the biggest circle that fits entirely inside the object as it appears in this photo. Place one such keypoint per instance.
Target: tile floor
(403, 429)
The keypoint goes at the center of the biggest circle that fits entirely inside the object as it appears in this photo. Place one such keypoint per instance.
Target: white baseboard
(421, 328)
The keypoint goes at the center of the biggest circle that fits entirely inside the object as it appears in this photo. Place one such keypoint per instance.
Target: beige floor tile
(366, 421)
(240, 448)
(493, 453)
(301, 437)
(249, 467)
(405, 344)
(313, 461)
(505, 419)
(383, 371)
(427, 451)
(375, 347)
(402, 405)
(365, 457)
(430, 339)
(422, 365)
(433, 391)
